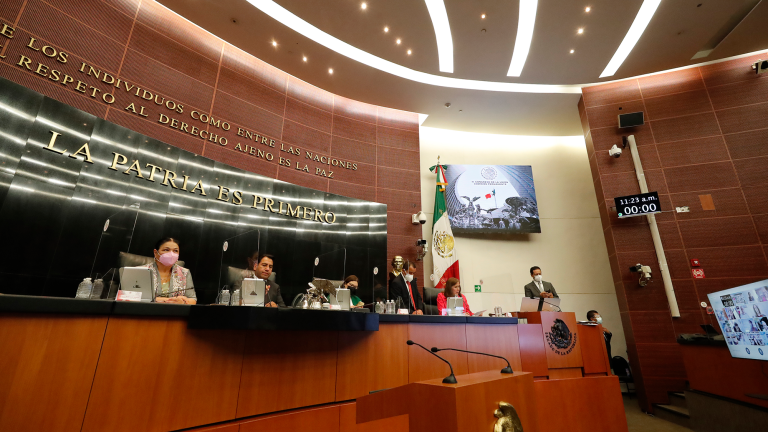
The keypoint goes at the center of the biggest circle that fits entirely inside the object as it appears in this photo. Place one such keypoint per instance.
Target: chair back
(620, 367)
(430, 300)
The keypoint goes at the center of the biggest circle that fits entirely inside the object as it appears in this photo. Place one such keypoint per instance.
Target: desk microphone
(551, 304)
(450, 379)
(506, 370)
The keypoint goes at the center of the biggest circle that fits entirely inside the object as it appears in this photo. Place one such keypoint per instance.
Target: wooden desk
(122, 372)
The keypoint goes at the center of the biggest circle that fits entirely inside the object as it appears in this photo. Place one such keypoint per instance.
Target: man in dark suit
(404, 286)
(263, 268)
(539, 288)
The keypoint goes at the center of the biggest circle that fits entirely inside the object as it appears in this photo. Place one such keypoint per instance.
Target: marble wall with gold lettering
(141, 66)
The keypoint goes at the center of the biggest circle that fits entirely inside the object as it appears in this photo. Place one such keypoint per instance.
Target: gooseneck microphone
(506, 370)
(450, 379)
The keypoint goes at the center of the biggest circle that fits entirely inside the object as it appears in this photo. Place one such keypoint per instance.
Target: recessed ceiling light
(587, 9)
(581, 30)
(527, 17)
(386, 29)
(572, 51)
(305, 58)
(274, 44)
(482, 16)
(398, 41)
(439, 17)
(363, 5)
(409, 52)
(330, 71)
(644, 15)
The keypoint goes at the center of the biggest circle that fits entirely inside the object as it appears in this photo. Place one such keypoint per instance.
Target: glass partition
(114, 251)
(238, 257)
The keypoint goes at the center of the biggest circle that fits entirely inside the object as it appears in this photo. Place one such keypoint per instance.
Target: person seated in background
(171, 282)
(539, 288)
(263, 269)
(403, 287)
(452, 289)
(351, 283)
(595, 317)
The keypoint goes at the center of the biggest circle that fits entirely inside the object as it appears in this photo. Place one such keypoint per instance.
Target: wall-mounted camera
(615, 151)
(760, 66)
(644, 271)
(419, 218)
(422, 244)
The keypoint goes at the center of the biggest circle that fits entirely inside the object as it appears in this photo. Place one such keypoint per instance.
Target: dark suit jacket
(531, 290)
(397, 289)
(273, 294)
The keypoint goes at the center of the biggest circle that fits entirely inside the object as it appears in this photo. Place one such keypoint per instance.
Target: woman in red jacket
(452, 289)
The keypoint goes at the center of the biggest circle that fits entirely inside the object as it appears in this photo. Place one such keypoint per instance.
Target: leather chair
(430, 300)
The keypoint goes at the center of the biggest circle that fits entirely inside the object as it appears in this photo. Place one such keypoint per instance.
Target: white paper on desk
(123, 295)
(253, 279)
(479, 313)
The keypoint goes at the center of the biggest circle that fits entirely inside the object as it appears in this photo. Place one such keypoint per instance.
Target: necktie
(410, 291)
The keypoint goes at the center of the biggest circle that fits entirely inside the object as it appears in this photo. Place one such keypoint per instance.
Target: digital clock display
(637, 205)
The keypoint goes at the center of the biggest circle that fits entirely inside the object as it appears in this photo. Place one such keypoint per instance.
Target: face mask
(169, 258)
(353, 290)
(537, 278)
(599, 320)
(409, 277)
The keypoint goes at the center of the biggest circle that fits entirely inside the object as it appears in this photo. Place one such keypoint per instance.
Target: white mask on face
(537, 278)
(599, 320)
(408, 277)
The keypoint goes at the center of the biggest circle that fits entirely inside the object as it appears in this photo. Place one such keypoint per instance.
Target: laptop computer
(253, 291)
(137, 279)
(341, 298)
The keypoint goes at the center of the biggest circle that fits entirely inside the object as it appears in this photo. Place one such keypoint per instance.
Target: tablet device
(137, 279)
(253, 291)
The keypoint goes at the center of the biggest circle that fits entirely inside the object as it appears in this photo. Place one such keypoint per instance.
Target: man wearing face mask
(595, 317)
(539, 287)
(404, 286)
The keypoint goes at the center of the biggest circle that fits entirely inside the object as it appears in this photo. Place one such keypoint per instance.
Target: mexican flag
(445, 261)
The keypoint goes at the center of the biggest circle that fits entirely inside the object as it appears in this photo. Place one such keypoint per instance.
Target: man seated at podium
(263, 268)
(171, 282)
(539, 287)
(595, 317)
(452, 289)
(402, 285)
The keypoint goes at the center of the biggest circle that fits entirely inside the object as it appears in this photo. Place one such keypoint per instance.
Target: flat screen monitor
(743, 316)
(491, 199)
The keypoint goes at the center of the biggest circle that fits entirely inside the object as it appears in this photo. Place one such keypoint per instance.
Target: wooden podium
(468, 405)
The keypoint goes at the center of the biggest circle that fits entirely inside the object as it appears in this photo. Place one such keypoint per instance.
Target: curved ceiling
(482, 50)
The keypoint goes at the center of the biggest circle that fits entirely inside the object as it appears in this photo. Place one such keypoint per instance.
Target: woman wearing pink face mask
(172, 282)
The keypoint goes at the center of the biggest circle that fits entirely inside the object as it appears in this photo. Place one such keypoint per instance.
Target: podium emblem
(560, 338)
(508, 420)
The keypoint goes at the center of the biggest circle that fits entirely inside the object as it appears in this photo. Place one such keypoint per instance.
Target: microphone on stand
(450, 379)
(506, 370)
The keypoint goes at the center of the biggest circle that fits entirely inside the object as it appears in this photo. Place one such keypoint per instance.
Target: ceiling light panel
(290, 20)
(644, 15)
(524, 37)
(439, 18)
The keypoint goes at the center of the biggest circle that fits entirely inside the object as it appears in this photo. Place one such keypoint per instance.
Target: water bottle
(236, 298)
(98, 288)
(84, 289)
(224, 298)
(391, 307)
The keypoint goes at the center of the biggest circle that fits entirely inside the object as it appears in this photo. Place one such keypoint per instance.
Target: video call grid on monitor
(743, 316)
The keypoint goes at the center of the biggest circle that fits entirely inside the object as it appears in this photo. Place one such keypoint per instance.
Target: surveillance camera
(615, 151)
(645, 273)
(760, 66)
(421, 242)
(419, 218)
(636, 268)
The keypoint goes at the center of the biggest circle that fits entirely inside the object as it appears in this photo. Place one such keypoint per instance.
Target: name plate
(128, 296)
(402, 311)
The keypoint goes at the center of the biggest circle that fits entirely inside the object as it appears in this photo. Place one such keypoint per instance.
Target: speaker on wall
(631, 119)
